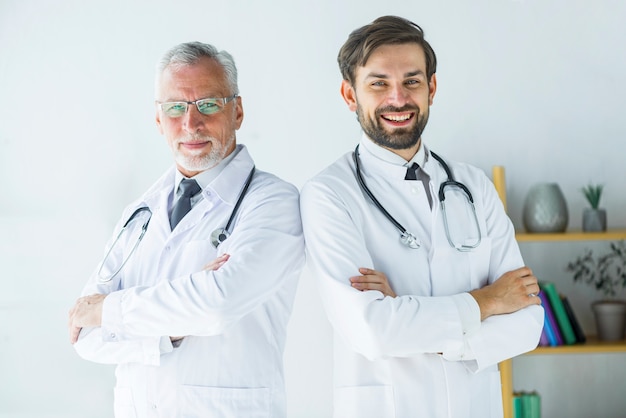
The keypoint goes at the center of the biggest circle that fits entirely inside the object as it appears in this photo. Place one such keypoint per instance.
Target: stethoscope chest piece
(409, 240)
(218, 236)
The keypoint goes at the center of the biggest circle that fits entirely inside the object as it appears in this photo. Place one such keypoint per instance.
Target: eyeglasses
(207, 106)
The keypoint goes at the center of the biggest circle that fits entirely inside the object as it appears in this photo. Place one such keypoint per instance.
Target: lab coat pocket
(123, 404)
(364, 402)
(202, 401)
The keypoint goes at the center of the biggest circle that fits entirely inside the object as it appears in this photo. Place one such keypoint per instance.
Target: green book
(517, 406)
(559, 312)
(526, 405)
(533, 405)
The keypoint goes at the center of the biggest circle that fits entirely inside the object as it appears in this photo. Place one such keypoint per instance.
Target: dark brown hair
(385, 30)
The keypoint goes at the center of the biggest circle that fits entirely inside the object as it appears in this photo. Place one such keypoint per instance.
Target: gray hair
(190, 53)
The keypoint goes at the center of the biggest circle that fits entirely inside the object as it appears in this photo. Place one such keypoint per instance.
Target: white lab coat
(424, 353)
(234, 319)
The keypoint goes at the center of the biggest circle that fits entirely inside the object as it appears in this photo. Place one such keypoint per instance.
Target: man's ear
(349, 95)
(238, 112)
(157, 118)
(432, 89)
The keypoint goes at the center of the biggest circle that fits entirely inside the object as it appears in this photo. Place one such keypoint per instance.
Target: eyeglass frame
(225, 101)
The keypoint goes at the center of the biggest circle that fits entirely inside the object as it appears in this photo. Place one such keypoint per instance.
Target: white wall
(535, 85)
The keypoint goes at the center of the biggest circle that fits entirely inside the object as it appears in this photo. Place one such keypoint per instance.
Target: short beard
(400, 138)
(202, 162)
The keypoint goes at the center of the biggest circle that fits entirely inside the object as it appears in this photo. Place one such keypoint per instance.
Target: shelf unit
(592, 346)
(614, 234)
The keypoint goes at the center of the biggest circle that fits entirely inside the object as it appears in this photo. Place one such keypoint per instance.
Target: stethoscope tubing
(217, 237)
(369, 193)
(144, 228)
(240, 199)
(406, 237)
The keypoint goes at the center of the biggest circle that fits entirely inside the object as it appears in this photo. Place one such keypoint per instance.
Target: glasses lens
(174, 109)
(209, 106)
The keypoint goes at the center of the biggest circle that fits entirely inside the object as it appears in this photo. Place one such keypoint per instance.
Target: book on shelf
(578, 331)
(555, 302)
(517, 405)
(550, 327)
(544, 341)
(526, 405)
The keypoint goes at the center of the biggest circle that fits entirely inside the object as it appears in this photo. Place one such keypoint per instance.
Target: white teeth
(398, 118)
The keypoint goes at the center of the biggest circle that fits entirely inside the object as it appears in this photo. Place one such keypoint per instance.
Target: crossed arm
(87, 311)
(513, 291)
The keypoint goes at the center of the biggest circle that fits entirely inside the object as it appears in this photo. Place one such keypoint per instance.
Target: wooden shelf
(613, 234)
(593, 345)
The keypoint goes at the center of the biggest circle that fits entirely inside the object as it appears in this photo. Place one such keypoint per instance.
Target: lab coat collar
(227, 185)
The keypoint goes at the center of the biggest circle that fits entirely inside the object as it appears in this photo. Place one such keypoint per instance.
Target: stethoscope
(221, 234)
(406, 237)
(218, 236)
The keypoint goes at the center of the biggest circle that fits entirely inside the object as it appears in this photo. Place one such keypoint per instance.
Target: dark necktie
(188, 188)
(411, 172)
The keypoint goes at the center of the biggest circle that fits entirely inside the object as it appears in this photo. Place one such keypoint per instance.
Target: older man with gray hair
(192, 299)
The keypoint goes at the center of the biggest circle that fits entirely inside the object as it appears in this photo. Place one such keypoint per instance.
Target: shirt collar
(421, 157)
(207, 176)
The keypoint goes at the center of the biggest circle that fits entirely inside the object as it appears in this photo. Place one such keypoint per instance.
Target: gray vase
(610, 319)
(594, 220)
(545, 209)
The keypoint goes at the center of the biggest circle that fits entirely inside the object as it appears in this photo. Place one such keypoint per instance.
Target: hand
(87, 312)
(372, 280)
(217, 263)
(513, 291)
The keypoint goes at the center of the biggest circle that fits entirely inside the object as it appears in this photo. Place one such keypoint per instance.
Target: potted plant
(607, 274)
(594, 218)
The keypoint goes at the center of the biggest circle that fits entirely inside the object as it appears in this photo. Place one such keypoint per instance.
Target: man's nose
(398, 95)
(192, 119)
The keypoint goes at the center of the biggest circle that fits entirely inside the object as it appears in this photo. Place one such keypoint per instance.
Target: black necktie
(188, 187)
(411, 172)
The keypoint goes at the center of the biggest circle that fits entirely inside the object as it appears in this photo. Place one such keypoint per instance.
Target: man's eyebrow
(414, 73)
(376, 75)
(385, 76)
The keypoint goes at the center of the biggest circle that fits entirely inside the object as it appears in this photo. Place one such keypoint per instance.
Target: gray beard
(206, 161)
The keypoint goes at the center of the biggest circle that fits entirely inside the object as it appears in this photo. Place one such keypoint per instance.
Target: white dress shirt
(424, 353)
(234, 319)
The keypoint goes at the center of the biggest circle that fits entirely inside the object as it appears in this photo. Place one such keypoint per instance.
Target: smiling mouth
(397, 119)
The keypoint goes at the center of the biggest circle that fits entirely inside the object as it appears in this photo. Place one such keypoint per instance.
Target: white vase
(545, 209)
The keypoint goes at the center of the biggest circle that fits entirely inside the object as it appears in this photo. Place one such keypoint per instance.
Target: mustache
(194, 138)
(391, 109)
